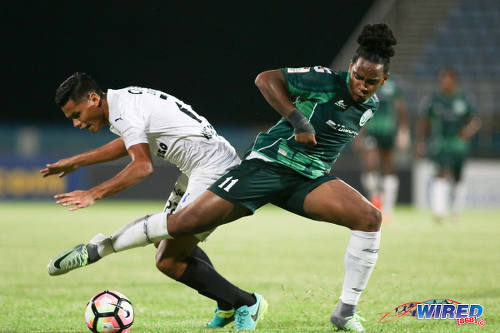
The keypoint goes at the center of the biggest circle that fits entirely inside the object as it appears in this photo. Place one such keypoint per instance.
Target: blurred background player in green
(446, 126)
(389, 128)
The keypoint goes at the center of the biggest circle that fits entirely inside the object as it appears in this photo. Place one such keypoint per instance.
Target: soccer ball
(109, 311)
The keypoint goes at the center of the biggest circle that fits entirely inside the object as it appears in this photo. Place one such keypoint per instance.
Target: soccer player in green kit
(449, 119)
(389, 129)
(289, 166)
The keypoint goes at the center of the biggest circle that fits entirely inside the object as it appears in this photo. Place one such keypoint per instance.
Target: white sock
(390, 185)
(360, 258)
(141, 232)
(440, 197)
(459, 193)
(370, 181)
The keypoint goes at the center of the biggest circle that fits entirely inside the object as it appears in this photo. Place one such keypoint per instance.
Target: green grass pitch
(295, 263)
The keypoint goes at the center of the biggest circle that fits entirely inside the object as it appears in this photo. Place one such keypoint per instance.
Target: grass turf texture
(295, 263)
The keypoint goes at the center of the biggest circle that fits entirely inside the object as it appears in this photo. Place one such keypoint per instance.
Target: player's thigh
(206, 212)
(337, 202)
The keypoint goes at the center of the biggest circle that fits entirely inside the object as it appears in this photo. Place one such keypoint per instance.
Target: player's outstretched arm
(273, 86)
(140, 167)
(110, 151)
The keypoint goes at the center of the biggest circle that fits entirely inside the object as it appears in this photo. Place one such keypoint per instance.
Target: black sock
(347, 310)
(200, 254)
(203, 277)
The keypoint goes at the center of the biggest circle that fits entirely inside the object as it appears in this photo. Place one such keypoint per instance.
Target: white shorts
(186, 190)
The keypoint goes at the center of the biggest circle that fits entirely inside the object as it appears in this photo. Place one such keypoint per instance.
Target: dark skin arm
(423, 127)
(471, 128)
(140, 167)
(110, 151)
(403, 136)
(273, 86)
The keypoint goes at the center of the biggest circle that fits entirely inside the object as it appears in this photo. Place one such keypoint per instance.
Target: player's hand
(61, 168)
(76, 199)
(307, 139)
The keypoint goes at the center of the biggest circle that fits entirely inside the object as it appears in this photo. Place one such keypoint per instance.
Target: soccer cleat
(79, 256)
(351, 323)
(247, 317)
(221, 318)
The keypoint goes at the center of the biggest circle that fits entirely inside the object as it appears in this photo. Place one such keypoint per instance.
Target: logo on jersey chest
(365, 117)
(340, 103)
(341, 128)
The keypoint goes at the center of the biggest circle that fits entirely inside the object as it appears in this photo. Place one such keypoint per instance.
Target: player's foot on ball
(221, 318)
(247, 317)
(347, 323)
(79, 256)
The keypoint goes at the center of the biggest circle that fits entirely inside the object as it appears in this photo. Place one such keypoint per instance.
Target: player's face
(365, 78)
(87, 115)
(448, 82)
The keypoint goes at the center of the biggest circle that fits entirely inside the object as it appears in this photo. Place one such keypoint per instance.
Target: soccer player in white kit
(147, 121)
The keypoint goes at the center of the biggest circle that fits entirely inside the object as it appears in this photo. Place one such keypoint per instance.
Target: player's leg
(337, 202)
(390, 183)
(182, 260)
(205, 213)
(458, 191)
(440, 194)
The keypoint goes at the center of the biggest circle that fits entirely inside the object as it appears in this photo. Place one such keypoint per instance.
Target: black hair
(375, 44)
(76, 87)
(450, 71)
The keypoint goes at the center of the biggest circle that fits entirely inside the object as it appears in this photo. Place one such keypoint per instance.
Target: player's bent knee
(169, 266)
(370, 221)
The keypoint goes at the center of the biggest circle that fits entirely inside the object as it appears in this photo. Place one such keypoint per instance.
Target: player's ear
(386, 76)
(94, 99)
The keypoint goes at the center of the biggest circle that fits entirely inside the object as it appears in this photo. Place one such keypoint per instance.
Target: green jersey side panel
(386, 121)
(323, 97)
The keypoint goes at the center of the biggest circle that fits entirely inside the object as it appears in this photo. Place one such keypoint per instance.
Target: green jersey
(447, 115)
(323, 97)
(386, 121)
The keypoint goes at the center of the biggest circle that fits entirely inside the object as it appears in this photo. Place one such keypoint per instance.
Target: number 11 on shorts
(228, 183)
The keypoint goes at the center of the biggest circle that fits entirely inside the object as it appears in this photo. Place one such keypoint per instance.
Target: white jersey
(172, 129)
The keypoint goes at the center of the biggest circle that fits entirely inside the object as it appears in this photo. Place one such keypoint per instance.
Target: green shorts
(255, 183)
(380, 141)
(449, 154)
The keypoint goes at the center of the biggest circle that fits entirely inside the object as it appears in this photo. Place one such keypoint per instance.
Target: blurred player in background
(289, 166)
(444, 131)
(389, 128)
(150, 120)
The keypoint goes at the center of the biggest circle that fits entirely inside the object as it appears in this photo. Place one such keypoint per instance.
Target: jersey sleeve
(316, 83)
(131, 127)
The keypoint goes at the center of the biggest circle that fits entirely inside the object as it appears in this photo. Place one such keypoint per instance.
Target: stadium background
(209, 56)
